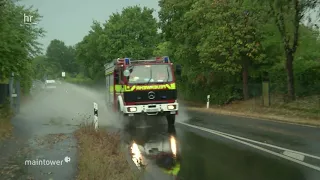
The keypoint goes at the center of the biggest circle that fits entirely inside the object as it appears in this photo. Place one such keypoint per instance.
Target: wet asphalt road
(202, 154)
(248, 149)
(206, 156)
(43, 131)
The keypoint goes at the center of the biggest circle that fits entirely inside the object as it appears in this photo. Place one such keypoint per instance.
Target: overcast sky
(70, 20)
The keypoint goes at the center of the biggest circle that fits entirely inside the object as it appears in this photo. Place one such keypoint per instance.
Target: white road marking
(317, 168)
(265, 144)
(294, 155)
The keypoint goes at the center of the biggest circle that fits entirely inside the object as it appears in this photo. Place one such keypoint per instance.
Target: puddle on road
(280, 139)
(208, 159)
(198, 157)
(63, 121)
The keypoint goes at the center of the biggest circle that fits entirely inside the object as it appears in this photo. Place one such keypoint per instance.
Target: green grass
(304, 110)
(5, 122)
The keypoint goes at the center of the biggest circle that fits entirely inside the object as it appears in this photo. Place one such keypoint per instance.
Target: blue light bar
(127, 61)
(166, 59)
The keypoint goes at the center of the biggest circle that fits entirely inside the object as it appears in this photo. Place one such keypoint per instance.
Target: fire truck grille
(142, 96)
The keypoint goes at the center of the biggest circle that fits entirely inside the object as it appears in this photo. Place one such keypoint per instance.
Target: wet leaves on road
(51, 139)
(15, 168)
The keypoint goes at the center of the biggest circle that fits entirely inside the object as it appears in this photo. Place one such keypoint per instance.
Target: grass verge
(304, 111)
(5, 122)
(100, 156)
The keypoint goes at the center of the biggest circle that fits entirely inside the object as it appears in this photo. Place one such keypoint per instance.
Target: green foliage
(18, 42)
(163, 49)
(61, 57)
(216, 40)
(89, 52)
(79, 79)
(287, 16)
(230, 38)
(131, 33)
(224, 47)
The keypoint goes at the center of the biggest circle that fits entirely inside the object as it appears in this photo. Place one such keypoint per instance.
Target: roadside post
(18, 99)
(208, 101)
(14, 91)
(95, 116)
(265, 89)
(63, 74)
(11, 90)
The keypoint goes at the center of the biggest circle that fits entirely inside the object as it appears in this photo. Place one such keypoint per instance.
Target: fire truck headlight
(171, 107)
(132, 109)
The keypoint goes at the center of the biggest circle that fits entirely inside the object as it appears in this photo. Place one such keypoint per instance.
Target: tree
(234, 44)
(40, 67)
(61, 57)
(90, 53)
(163, 49)
(18, 43)
(182, 37)
(212, 34)
(288, 16)
(133, 33)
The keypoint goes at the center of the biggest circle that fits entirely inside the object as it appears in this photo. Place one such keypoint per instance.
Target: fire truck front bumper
(152, 109)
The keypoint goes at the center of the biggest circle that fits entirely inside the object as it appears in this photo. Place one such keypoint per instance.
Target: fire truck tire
(171, 119)
(120, 114)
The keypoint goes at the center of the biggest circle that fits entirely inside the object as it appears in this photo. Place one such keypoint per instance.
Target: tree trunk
(290, 77)
(245, 88)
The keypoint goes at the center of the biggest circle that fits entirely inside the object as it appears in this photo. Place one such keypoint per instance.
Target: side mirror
(178, 69)
(126, 73)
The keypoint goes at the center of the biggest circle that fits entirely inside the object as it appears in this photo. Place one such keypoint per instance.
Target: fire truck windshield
(157, 73)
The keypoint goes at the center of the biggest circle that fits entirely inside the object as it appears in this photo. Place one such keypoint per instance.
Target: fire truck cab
(148, 87)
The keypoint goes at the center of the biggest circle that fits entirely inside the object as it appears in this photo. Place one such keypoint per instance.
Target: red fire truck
(148, 87)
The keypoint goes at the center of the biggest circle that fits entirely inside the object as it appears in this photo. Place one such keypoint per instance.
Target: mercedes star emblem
(151, 95)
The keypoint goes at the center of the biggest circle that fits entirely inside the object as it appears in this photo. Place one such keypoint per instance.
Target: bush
(79, 79)
(5, 121)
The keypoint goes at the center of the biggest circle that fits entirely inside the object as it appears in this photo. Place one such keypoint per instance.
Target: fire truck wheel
(171, 119)
(120, 114)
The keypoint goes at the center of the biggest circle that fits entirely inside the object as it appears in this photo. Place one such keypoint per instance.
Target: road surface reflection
(154, 146)
(189, 156)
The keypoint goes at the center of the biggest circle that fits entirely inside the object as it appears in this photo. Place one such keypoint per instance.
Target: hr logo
(28, 19)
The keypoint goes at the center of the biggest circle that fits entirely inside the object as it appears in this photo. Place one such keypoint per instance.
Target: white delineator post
(63, 74)
(208, 100)
(95, 116)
